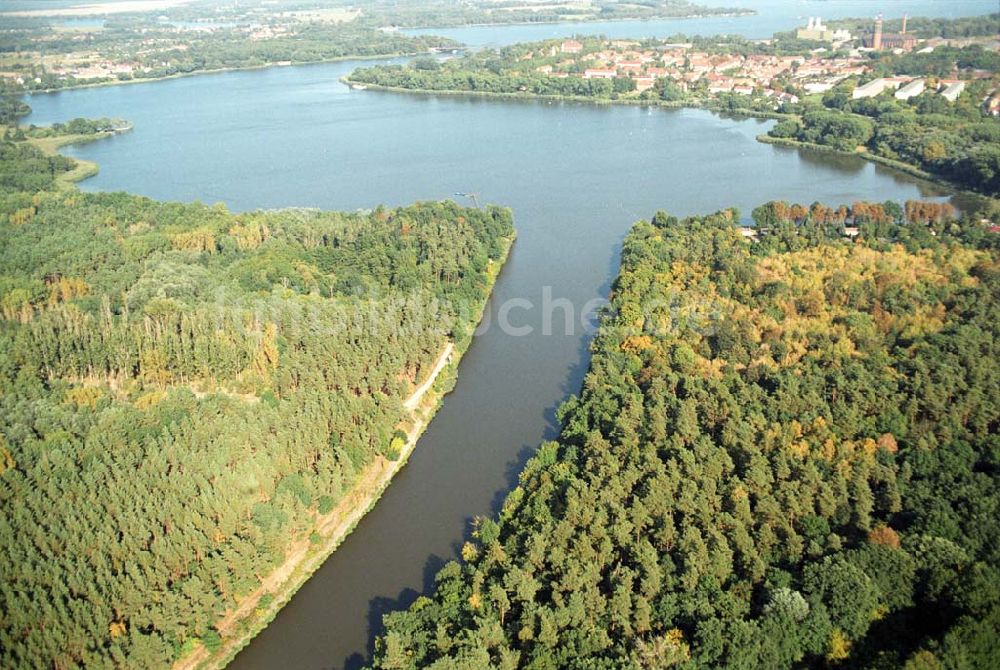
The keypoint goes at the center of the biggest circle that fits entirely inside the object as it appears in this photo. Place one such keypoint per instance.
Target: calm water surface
(577, 177)
(772, 16)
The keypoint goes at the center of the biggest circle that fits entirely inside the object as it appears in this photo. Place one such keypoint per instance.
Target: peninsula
(932, 109)
(198, 405)
(46, 50)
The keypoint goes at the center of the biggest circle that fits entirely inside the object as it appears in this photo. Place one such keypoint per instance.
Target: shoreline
(339, 59)
(83, 169)
(528, 97)
(899, 166)
(304, 556)
(500, 24)
(222, 70)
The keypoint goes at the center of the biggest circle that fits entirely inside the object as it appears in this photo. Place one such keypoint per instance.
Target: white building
(817, 86)
(952, 91)
(913, 89)
(815, 30)
(876, 87)
(870, 90)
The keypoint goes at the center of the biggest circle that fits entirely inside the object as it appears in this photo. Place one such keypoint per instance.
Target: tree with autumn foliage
(784, 454)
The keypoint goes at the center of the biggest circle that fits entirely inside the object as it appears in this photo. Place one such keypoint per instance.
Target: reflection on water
(844, 163)
(577, 177)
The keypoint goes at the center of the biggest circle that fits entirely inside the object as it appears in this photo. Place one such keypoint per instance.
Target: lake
(577, 177)
(772, 16)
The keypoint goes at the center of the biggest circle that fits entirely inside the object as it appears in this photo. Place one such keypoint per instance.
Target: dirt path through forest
(304, 556)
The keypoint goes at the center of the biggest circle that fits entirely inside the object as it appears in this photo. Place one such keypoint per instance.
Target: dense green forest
(785, 454)
(11, 109)
(959, 141)
(485, 72)
(26, 168)
(183, 389)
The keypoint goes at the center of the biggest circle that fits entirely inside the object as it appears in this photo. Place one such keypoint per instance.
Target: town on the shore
(779, 77)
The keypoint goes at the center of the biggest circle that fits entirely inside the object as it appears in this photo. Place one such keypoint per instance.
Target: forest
(485, 73)
(785, 454)
(12, 109)
(25, 168)
(183, 389)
